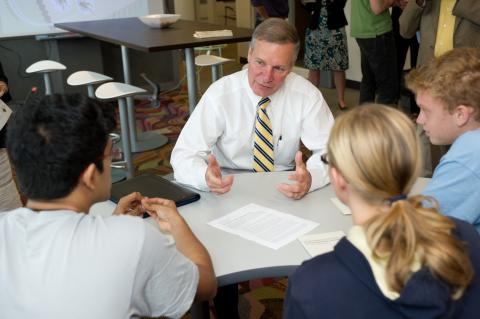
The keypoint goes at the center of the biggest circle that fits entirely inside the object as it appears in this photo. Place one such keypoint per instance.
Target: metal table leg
(48, 83)
(127, 155)
(143, 141)
(191, 79)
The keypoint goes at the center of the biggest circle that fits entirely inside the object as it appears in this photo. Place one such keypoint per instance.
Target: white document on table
(264, 225)
(344, 209)
(317, 244)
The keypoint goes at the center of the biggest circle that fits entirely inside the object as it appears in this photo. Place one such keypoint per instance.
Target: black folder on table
(153, 186)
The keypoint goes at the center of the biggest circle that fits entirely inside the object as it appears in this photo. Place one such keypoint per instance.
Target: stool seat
(215, 62)
(115, 90)
(87, 77)
(209, 60)
(45, 66)
(209, 48)
(120, 91)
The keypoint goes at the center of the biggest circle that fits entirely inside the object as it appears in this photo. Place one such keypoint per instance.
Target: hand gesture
(163, 211)
(301, 176)
(130, 204)
(213, 177)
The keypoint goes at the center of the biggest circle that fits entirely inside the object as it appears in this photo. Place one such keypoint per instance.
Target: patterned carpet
(262, 299)
(168, 119)
(258, 299)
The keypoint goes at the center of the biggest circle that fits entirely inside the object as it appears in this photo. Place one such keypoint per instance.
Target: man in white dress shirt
(221, 131)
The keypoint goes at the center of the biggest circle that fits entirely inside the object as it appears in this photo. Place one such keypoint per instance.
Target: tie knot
(264, 103)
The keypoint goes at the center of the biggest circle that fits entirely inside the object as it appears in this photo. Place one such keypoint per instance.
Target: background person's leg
(367, 85)
(339, 80)
(384, 65)
(314, 77)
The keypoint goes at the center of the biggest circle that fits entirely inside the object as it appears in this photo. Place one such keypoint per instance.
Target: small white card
(5, 113)
(344, 209)
(317, 244)
(213, 34)
(264, 225)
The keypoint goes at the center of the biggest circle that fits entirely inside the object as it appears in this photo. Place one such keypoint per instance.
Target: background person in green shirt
(371, 26)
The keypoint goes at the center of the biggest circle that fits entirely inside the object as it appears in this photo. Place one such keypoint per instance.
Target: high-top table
(134, 34)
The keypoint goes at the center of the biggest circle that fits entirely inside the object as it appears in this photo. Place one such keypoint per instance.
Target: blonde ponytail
(410, 232)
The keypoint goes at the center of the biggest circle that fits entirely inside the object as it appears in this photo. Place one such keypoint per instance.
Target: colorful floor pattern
(168, 119)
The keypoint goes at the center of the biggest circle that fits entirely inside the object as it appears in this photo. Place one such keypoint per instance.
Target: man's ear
(463, 114)
(88, 176)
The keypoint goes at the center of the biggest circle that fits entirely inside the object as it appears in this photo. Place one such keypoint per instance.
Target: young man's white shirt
(62, 264)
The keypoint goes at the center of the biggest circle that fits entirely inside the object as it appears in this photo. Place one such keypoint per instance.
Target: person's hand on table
(213, 177)
(3, 88)
(163, 211)
(302, 177)
(130, 204)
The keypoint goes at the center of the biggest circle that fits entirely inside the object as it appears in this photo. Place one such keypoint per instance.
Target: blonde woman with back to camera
(402, 259)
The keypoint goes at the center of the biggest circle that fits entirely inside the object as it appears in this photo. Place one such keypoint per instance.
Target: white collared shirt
(357, 236)
(223, 123)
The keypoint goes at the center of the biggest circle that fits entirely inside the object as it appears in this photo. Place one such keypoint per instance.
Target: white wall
(155, 6)
(244, 20)
(186, 8)
(27, 17)
(354, 72)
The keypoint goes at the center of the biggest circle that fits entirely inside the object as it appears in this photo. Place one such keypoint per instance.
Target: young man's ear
(463, 114)
(88, 176)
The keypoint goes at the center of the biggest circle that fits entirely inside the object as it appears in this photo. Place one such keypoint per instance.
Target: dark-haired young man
(56, 261)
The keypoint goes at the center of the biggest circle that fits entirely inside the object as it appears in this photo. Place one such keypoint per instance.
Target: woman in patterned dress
(326, 44)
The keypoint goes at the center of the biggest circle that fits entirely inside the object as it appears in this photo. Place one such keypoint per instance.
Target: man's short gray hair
(279, 31)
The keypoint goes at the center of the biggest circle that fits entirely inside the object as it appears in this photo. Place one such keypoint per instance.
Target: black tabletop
(134, 34)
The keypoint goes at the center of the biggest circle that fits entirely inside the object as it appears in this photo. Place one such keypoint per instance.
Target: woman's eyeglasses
(324, 159)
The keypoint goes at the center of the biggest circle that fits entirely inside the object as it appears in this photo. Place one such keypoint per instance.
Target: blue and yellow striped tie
(263, 157)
